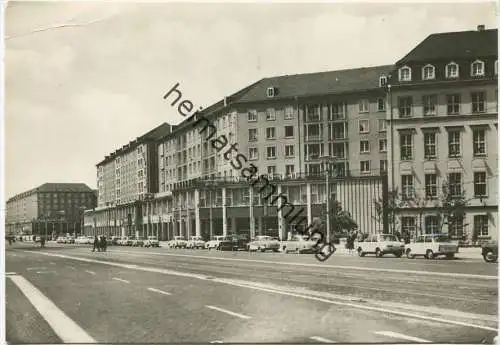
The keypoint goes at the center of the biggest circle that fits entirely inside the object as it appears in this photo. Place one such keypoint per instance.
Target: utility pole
(327, 160)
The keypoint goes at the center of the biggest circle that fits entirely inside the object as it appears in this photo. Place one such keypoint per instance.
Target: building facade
(50, 209)
(443, 112)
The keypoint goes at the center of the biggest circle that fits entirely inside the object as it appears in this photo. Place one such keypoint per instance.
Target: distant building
(52, 208)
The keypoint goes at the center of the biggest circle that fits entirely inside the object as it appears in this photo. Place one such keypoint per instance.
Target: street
(66, 293)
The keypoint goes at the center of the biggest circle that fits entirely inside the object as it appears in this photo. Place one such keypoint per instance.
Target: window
(271, 133)
(337, 112)
(481, 225)
(289, 151)
(429, 102)
(313, 113)
(428, 72)
(270, 114)
(289, 169)
(364, 106)
(405, 73)
(479, 142)
(364, 126)
(455, 184)
(271, 170)
(382, 125)
(408, 225)
(381, 104)
(288, 131)
(430, 145)
(252, 115)
(140, 173)
(271, 91)
(456, 227)
(407, 186)
(478, 104)
(253, 153)
(452, 70)
(383, 165)
(479, 184)
(271, 152)
(339, 131)
(431, 186)
(364, 146)
(453, 104)
(252, 134)
(338, 150)
(382, 81)
(454, 144)
(496, 67)
(404, 106)
(365, 166)
(289, 113)
(431, 225)
(140, 162)
(477, 68)
(382, 145)
(406, 146)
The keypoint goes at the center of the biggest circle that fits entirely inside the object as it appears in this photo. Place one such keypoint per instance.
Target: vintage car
(299, 244)
(489, 251)
(264, 243)
(69, 240)
(214, 242)
(79, 240)
(234, 242)
(114, 240)
(178, 242)
(138, 242)
(431, 246)
(381, 244)
(125, 241)
(195, 242)
(60, 239)
(152, 241)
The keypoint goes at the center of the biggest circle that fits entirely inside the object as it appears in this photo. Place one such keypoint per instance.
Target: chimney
(480, 28)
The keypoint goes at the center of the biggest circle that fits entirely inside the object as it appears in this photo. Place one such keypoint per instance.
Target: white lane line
(322, 340)
(35, 268)
(90, 272)
(402, 336)
(121, 280)
(327, 266)
(159, 291)
(241, 316)
(67, 330)
(8, 273)
(255, 286)
(43, 272)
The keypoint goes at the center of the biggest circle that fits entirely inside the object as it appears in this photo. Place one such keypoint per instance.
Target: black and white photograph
(250, 172)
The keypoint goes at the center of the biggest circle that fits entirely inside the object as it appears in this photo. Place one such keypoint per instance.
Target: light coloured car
(178, 242)
(381, 244)
(214, 243)
(137, 242)
(299, 244)
(125, 241)
(195, 242)
(70, 240)
(79, 240)
(432, 246)
(152, 241)
(264, 243)
(60, 239)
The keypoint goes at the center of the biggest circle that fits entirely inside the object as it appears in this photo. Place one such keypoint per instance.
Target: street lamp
(212, 184)
(326, 161)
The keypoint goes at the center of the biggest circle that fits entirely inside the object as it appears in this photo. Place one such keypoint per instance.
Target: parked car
(432, 246)
(125, 241)
(195, 242)
(70, 240)
(60, 239)
(299, 244)
(264, 243)
(234, 243)
(489, 251)
(137, 242)
(214, 242)
(114, 240)
(152, 241)
(178, 242)
(79, 240)
(381, 244)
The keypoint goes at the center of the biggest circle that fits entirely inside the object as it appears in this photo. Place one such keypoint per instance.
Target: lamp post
(211, 187)
(326, 161)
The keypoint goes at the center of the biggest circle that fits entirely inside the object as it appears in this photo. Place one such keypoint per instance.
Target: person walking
(42, 241)
(104, 244)
(96, 243)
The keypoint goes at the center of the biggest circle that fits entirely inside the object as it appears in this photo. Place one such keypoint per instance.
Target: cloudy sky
(84, 78)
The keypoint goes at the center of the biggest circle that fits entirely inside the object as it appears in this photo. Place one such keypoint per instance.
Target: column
(309, 210)
(281, 221)
(224, 213)
(197, 211)
(188, 226)
(233, 225)
(252, 219)
(260, 225)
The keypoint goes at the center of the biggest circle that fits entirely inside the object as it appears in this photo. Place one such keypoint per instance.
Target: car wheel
(409, 255)
(378, 253)
(360, 252)
(489, 256)
(398, 254)
(429, 254)
(262, 250)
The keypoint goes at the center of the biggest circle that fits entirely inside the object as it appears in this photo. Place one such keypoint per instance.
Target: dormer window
(405, 73)
(428, 72)
(452, 70)
(271, 91)
(477, 68)
(382, 81)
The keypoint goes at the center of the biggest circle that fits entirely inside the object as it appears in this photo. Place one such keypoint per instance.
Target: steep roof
(64, 187)
(311, 84)
(454, 46)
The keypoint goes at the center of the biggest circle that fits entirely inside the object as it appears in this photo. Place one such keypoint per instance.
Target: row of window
(454, 144)
(452, 71)
(455, 229)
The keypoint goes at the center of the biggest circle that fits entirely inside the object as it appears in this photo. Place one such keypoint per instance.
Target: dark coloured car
(234, 242)
(490, 252)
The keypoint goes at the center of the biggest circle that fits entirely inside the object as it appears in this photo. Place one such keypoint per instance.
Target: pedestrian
(42, 241)
(104, 243)
(96, 244)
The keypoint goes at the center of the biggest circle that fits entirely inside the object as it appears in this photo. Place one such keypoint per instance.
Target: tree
(453, 206)
(340, 221)
(391, 206)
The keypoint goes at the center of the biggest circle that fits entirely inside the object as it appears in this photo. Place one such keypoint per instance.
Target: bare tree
(391, 206)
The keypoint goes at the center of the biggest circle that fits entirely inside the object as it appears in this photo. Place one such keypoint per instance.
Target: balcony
(315, 137)
(312, 156)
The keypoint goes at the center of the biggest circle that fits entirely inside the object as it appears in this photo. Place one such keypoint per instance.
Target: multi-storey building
(51, 208)
(284, 126)
(443, 98)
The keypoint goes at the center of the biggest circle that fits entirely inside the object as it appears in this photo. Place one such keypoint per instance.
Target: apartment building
(52, 208)
(443, 111)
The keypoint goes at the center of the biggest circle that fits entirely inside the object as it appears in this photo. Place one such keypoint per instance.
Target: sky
(83, 79)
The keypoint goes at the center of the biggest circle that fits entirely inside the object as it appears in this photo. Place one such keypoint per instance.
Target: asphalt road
(167, 295)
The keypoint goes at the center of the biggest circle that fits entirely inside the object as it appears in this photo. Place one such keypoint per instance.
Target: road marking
(52, 263)
(322, 340)
(121, 280)
(35, 268)
(241, 316)
(402, 336)
(255, 286)
(9, 273)
(159, 291)
(216, 342)
(43, 272)
(327, 266)
(67, 330)
(90, 272)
